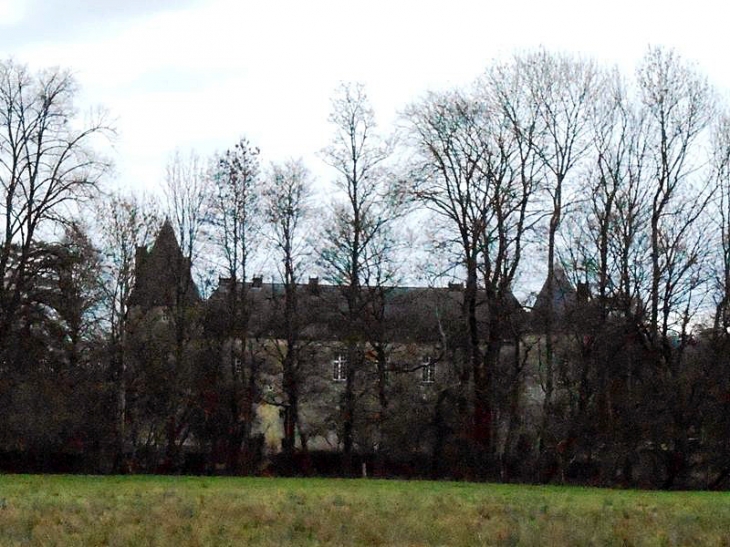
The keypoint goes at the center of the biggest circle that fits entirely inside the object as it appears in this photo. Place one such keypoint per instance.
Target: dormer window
(339, 368)
(428, 370)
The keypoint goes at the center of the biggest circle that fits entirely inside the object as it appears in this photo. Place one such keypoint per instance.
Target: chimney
(258, 281)
(583, 292)
(456, 286)
(314, 285)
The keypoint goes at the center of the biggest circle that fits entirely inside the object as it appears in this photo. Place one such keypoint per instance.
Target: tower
(162, 274)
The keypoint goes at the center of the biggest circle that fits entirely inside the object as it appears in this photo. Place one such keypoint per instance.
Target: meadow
(153, 510)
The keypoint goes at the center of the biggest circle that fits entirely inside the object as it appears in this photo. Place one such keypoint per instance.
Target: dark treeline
(614, 190)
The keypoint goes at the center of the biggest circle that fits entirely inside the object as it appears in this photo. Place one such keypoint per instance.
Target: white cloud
(12, 12)
(204, 73)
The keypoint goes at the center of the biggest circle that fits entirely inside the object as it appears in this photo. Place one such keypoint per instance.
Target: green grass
(78, 510)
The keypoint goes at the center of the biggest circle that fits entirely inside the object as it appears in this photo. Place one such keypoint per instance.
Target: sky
(194, 74)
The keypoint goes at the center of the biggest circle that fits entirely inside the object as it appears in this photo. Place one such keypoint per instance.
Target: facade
(404, 354)
(214, 379)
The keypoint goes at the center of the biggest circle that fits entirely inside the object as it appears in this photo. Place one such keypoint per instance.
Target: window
(428, 370)
(339, 368)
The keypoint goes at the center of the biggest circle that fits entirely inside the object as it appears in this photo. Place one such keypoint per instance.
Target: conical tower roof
(563, 295)
(166, 243)
(162, 274)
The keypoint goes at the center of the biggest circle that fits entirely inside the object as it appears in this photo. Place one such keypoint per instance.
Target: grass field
(78, 510)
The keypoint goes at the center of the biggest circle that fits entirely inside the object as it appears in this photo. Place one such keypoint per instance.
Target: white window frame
(428, 370)
(339, 368)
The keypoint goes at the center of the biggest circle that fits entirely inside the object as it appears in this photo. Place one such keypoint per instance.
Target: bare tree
(447, 133)
(721, 174)
(236, 207)
(358, 157)
(515, 179)
(679, 105)
(124, 224)
(475, 171)
(604, 249)
(187, 192)
(643, 246)
(287, 208)
(563, 88)
(236, 218)
(47, 162)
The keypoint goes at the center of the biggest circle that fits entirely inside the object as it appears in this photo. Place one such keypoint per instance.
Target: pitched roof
(162, 273)
(564, 295)
(411, 314)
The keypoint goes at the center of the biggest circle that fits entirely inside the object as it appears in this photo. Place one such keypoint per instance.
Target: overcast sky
(200, 74)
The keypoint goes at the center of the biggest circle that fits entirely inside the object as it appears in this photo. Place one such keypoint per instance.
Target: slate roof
(162, 273)
(412, 314)
(564, 296)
